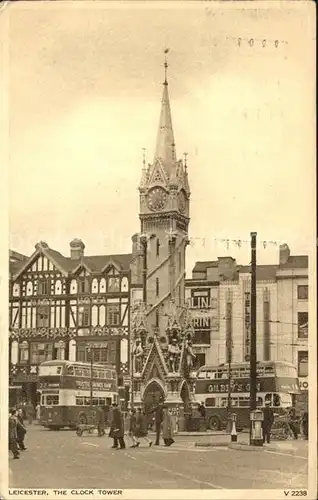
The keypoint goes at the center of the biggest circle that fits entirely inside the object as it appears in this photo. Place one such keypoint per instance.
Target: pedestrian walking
(158, 411)
(293, 422)
(29, 410)
(132, 427)
(38, 413)
(141, 429)
(167, 427)
(21, 430)
(268, 420)
(202, 411)
(100, 420)
(117, 428)
(13, 446)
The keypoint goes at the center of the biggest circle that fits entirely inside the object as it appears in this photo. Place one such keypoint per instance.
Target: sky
(84, 84)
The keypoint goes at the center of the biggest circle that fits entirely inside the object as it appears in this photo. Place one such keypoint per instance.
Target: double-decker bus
(277, 383)
(65, 388)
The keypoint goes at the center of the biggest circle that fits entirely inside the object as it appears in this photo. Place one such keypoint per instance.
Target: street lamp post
(90, 350)
(253, 372)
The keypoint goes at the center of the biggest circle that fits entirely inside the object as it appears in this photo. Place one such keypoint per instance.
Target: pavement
(61, 459)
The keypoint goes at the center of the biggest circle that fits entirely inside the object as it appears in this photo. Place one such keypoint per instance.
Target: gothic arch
(153, 392)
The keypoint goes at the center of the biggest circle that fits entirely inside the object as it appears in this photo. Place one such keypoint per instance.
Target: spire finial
(185, 155)
(144, 156)
(166, 67)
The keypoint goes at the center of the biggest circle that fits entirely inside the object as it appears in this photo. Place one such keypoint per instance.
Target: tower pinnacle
(165, 147)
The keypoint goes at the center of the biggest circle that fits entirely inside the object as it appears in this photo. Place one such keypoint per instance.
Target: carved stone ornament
(84, 300)
(43, 302)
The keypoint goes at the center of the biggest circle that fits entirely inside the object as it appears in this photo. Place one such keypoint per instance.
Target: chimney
(284, 253)
(226, 268)
(77, 249)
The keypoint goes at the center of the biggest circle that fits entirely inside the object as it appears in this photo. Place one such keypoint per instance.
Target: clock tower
(161, 327)
(164, 218)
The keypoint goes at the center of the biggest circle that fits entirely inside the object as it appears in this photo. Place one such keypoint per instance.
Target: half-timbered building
(66, 308)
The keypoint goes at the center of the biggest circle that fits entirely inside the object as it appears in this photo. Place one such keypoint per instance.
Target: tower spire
(166, 67)
(165, 147)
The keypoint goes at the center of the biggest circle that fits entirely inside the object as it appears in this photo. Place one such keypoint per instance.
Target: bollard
(233, 430)
(257, 418)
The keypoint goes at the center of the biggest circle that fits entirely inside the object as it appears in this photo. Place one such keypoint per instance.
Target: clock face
(182, 201)
(157, 199)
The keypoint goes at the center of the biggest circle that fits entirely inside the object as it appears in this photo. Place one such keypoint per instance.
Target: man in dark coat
(202, 410)
(267, 422)
(158, 411)
(117, 428)
(13, 434)
(21, 430)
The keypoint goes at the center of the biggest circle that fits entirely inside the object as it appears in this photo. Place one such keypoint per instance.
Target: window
(303, 325)
(41, 352)
(83, 316)
(50, 370)
(201, 337)
(200, 361)
(268, 397)
(113, 314)
(79, 401)
(42, 316)
(302, 363)
(157, 287)
(52, 400)
(24, 352)
(83, 286)
(157, 248)
(102, 354)
(180, 262)
(302, 292)
(43, 287)
(244, 401)
(113, 284)
(210, 402)
(276, 400)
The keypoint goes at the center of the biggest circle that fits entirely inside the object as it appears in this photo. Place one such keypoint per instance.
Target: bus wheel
(214, 423)
(79, 432)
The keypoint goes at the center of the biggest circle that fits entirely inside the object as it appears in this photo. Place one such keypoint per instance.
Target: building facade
(65, 308)
(282, 312)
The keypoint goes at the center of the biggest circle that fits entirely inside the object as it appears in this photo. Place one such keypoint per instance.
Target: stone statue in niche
(190, 356)
(138, 354)
(173, 355)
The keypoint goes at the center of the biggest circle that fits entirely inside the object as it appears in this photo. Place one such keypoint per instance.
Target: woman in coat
(141, 429)
(21, 430)
(167, 427)
(117, 428)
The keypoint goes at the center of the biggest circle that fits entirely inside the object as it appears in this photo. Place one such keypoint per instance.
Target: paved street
(64, 460)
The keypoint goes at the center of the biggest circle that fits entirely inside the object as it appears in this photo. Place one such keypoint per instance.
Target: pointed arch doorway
(153, 394)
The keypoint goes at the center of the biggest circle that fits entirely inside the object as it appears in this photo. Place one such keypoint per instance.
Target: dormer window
(113, 284)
